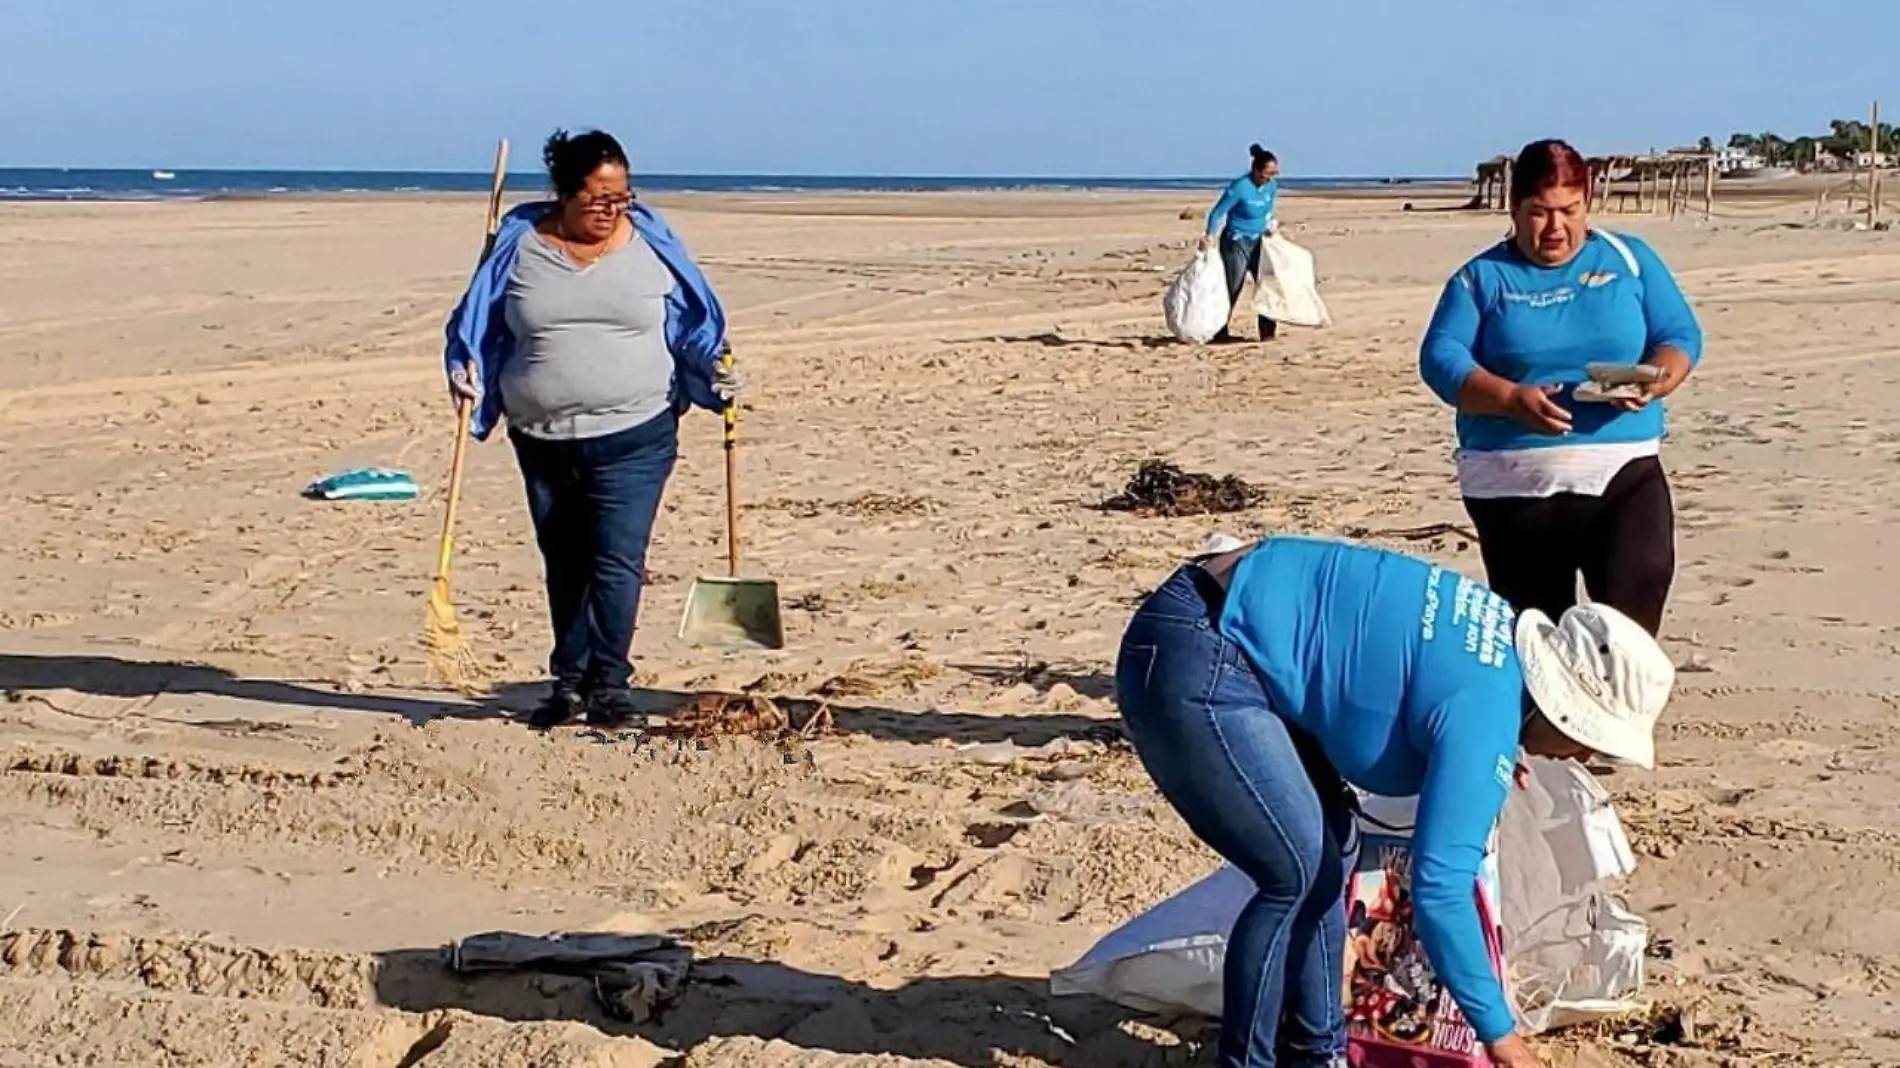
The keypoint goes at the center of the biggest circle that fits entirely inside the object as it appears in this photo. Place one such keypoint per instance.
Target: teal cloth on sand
(364, 484)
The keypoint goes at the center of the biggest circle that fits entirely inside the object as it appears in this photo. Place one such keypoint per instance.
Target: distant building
(1731, 162)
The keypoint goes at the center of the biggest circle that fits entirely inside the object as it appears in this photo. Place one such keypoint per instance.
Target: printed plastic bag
(1196, 304)
(1572, 952)
(1398, 1015)
(1289, 289)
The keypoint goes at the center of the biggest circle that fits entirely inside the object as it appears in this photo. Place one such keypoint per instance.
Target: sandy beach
(240, 825)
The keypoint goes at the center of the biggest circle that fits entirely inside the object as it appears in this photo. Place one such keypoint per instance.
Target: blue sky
(936, 87)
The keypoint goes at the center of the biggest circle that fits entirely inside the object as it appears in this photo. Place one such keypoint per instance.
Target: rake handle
(464, 411)
(465, 408)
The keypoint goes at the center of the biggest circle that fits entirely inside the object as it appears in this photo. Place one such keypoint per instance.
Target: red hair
(1546, 165)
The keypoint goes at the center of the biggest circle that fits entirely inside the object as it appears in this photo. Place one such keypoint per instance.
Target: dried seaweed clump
(716, 715)
(1160, 488)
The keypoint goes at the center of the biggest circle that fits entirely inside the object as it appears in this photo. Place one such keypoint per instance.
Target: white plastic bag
(1196, 304)
(1168, 959)
(1572, 951)
(1289, 288)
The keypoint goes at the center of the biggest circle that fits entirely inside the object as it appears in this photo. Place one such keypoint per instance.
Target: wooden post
(1873, 170)
(1708, 189)
(1504, 185)
(1675, 187)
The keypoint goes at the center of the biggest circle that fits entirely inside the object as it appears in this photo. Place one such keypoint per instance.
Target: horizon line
(750, 175)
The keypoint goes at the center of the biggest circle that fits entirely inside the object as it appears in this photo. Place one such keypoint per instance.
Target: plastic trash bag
(1572, 951)
(1195, 304)
(1289, 289)
(1398, 1013)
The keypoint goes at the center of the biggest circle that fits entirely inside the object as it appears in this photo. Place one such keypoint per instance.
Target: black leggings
(1623, 543)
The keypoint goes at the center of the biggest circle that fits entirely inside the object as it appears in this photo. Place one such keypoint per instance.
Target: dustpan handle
(732, 474)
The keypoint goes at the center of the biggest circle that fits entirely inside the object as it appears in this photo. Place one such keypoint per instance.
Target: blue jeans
(593, 502)
(1240, 257)
(1265, 799)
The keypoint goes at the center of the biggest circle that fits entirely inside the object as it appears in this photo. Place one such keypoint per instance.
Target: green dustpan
(731, 612)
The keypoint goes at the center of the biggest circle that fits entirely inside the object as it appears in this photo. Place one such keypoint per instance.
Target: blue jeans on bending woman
(593, 501)
(1246, 785)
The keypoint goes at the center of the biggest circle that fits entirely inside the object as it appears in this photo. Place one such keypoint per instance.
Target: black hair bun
(552, 151)
(571, 159)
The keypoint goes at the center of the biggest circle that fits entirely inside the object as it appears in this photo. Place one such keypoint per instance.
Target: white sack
(1195, 304)
(1168, 959)
(1289, 288)
(1573, 952)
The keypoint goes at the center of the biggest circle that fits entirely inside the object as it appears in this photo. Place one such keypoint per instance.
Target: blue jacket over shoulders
(478, 334)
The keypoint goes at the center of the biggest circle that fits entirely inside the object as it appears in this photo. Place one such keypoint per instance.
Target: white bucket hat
(1598, 677)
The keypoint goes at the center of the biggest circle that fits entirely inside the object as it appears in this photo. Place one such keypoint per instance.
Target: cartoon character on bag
(1370, 944)
(1411, 996)
(1389, 986)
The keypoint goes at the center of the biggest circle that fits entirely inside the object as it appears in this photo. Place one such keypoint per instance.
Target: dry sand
(238, 829)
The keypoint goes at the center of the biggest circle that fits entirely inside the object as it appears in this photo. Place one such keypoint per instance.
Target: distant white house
(1730, 162)
(1873, 159)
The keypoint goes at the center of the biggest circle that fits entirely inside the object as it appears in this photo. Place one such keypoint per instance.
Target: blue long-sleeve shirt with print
(1407, 676)
(1246, 208)
(1614, 302)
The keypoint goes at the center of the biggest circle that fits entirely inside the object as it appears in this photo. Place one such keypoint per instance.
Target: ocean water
(55, 183)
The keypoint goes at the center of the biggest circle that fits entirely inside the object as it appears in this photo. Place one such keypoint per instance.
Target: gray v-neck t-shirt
(590, 356)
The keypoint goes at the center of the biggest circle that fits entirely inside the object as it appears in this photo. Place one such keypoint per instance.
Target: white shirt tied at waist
(1546, 472)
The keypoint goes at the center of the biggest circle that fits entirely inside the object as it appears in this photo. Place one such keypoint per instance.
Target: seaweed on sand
(1160, 488)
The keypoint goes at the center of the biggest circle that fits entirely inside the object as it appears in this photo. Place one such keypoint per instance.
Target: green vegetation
(1846, 139)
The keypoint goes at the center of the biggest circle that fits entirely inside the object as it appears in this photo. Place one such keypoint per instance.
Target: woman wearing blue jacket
(1559, 483)
(1257, 683)
(591, 331)
(1242, 217)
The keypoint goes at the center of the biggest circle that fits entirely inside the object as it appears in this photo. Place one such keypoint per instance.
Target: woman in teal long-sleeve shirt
(1256, 683)
(1556, 483)
(1244, 215)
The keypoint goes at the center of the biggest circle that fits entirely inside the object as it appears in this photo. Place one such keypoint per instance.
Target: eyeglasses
(604, 204)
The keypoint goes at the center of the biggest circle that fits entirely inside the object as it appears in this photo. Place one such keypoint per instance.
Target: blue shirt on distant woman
(1246, 207)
